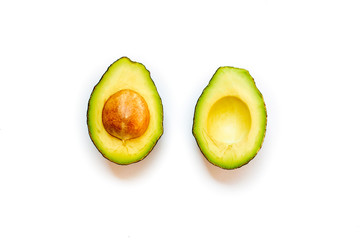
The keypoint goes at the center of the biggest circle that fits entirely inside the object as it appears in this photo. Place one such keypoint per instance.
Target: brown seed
(126, 115)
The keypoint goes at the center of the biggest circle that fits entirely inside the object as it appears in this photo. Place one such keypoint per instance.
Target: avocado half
(125, 113)
(230, 119)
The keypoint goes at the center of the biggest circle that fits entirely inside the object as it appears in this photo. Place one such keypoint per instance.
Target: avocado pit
(126, 115)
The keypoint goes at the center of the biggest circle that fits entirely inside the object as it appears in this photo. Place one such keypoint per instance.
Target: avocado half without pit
(230, 119)
(125, 113)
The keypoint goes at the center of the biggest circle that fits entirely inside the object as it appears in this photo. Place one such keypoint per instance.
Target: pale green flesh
(230, 118)
(125, 74)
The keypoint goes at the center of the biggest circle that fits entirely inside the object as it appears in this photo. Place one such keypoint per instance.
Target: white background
(303, 184)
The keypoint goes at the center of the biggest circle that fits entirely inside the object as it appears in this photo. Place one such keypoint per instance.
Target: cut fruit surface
(230, 118)
(125, 114)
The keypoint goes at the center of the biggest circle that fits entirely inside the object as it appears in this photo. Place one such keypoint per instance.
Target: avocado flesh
(125, 74)
(230, 119)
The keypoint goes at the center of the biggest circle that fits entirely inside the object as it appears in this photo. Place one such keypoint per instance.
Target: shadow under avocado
(228, 176)
(134, 169)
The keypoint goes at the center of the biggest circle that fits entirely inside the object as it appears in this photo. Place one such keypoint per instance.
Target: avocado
(230, 118)
(125, 113)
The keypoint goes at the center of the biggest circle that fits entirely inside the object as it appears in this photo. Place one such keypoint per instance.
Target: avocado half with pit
(230, 119)
(125, 113)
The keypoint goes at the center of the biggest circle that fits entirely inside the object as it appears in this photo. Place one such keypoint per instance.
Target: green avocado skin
(94, 107)
(202, 100)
